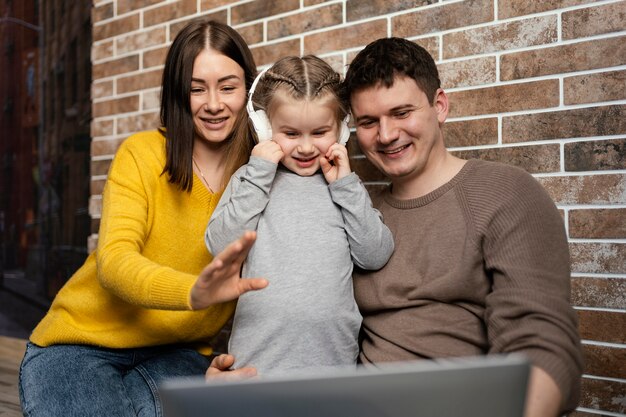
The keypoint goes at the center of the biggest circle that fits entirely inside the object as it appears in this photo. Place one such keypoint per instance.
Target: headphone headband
(262, 125)
(259, 119)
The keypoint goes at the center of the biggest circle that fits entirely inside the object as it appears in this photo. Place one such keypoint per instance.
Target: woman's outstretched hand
(221, 280)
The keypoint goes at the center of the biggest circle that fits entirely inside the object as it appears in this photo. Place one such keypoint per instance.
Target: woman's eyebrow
(224, 78)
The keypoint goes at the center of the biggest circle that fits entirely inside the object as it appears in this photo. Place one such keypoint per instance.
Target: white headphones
(262, 125)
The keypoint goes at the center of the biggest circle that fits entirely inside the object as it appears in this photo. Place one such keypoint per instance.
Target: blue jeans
(76, 380)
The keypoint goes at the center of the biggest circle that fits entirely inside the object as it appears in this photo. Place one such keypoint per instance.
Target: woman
(145, 305)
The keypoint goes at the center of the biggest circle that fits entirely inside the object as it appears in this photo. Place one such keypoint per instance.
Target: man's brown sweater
(481, 266)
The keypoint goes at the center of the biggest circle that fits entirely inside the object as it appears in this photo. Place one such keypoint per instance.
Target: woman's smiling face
(218, 93)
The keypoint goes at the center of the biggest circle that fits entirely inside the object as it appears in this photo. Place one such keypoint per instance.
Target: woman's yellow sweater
(133, 291)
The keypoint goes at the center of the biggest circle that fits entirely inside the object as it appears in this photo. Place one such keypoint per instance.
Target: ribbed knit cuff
(171, 289)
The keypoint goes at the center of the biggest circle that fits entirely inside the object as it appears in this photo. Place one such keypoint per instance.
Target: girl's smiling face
(304, 129)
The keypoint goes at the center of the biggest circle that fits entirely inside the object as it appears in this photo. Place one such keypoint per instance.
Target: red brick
(598, 394)
(220, 16)
(96, 187)
(595, 155)
(116, 106)
(471, 132)
(314, 2)
(151, 100)
(361, 9)
(534, 159)
(441, 18)
(307, 21)
(102, 50)
(591, 21)
(155, 57)
(102, 12)
(336, 62)
(603, 360)
(212, 4)
(468, 73)
(346, 37)
(504, 98)
(602, 326)
(598, 258)
(581, 56)
(101, 89)
(137, 123)
(599, 292)
(252, 33)
(140, 40)
(501, 37)
(115, 67)
(139, 81)
(95, 207)
(597, 223)
(101, 128)
(105, 147)
(586, 189)
(169, 11)
(431, 44)
(100, 167)
(587, 122)
(269, 54)
(125, 6)
(515, 8)
(92, 241)
(116, 27)
(259, 9)
(593, 88)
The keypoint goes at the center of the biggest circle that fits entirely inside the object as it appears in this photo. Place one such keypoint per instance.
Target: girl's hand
(220, 369)
(340, 166)
(269, 150)
(221, 280)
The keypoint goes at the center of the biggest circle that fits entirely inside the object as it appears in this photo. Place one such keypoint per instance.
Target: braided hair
(302, 78)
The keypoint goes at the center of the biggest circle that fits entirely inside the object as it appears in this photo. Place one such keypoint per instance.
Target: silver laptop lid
(465, 387)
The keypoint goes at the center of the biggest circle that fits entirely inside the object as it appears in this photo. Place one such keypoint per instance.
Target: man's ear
(441, 104)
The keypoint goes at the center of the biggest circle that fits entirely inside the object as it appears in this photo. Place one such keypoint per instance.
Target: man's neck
(436, 173)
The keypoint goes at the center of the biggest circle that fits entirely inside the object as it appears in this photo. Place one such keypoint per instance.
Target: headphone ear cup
(261, 125)
(344, 133)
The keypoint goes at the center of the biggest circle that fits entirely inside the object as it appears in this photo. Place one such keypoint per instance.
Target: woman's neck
(209, 162)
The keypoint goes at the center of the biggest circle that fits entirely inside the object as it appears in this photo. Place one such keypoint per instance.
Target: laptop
(489, 386)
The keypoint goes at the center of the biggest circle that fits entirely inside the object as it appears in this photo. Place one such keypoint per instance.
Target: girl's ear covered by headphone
(259, 119)
(344, 133)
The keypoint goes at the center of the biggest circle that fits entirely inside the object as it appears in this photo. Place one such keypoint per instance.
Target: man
(481, 263)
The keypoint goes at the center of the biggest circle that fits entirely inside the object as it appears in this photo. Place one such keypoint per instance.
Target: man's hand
(220, 369)
(221, 280)
(340, 167)
(269, 150)
(544, 397)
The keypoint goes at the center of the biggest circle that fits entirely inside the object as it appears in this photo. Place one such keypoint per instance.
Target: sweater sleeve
(241, 204)
(526, 255)
(128, 199)
(371, 242)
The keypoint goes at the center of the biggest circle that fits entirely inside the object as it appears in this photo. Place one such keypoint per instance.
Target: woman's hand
(220, 369)
(221, 280)
(268, 149)
(340, 167)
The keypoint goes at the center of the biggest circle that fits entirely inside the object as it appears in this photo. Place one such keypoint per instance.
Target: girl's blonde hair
(301, 78)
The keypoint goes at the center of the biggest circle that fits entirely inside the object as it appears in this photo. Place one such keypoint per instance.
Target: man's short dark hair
(384, 59)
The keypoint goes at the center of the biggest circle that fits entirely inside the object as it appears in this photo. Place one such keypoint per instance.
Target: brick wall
(537, 84)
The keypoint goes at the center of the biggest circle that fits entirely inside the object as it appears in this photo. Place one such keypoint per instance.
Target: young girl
(313, 218)
(125, 322)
